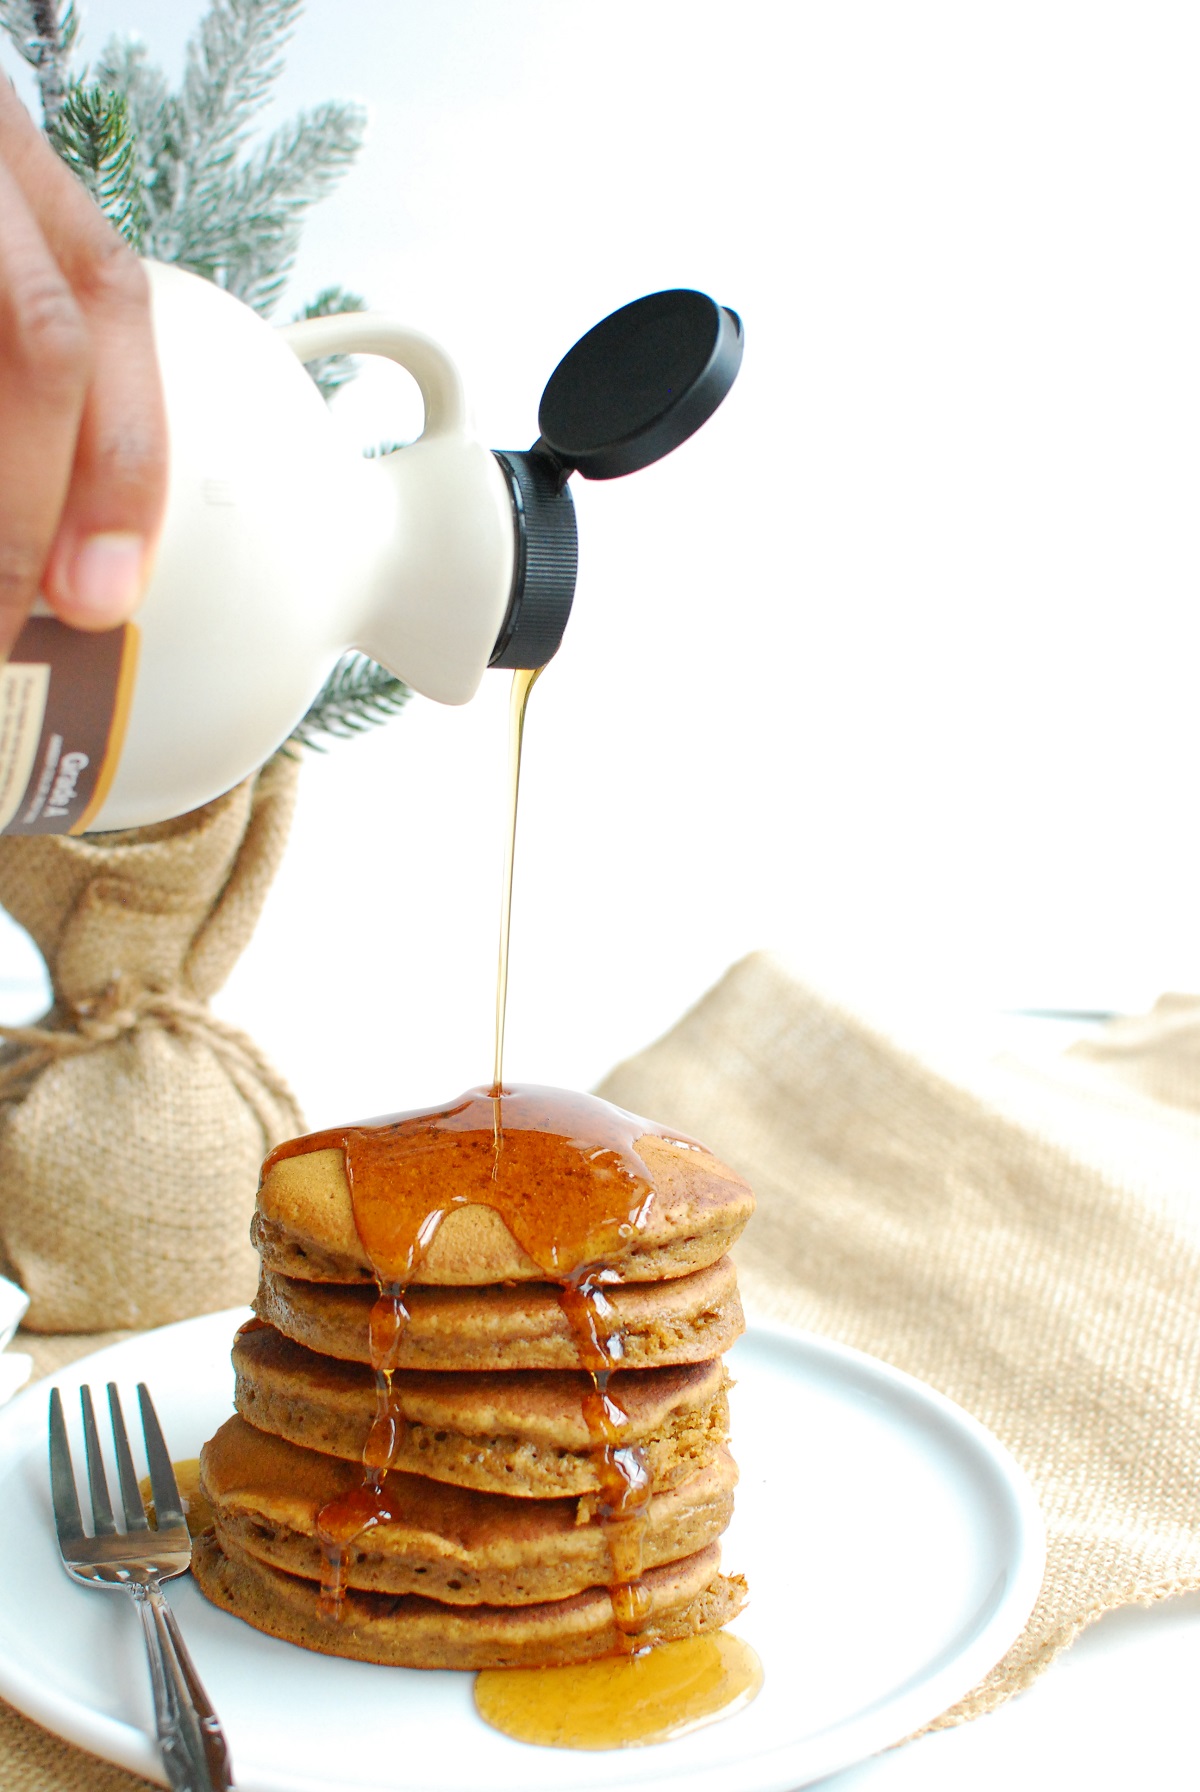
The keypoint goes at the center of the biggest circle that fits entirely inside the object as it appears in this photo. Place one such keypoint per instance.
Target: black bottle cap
(640, 383)
(632, 389)
(544, 560)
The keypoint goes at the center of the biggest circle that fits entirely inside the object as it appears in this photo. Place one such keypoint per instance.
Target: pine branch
(44, 37)
(92, 135)
(233, 220)
(124, 68)
(230, 217)
(248, 238)
(331, 372)
(357, 695)
(231, 65)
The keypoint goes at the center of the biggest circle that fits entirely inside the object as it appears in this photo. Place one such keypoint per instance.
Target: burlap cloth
(132, 1119)
(1026, 1240)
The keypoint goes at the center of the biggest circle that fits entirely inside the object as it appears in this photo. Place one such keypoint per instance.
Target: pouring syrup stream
(523, 682)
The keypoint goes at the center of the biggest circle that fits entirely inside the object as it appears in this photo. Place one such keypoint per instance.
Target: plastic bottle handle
(364, 333)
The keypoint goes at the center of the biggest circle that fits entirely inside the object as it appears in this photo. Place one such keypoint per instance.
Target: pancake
(405, 1630)
(514, 1432)
(461, 1547)
(304, 1227)
(688, 1320)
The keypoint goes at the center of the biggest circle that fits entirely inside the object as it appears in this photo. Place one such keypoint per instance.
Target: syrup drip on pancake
(351, 1514)
(562, 1171)
(621, 1467)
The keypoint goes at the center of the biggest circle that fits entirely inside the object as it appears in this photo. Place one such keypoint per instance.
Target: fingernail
(105, 577)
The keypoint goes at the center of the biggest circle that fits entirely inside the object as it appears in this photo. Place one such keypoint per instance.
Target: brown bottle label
(64, 704)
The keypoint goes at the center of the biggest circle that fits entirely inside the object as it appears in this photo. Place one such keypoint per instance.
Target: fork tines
(67, 1516)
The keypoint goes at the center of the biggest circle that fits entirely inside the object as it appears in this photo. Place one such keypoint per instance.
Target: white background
(892, 667)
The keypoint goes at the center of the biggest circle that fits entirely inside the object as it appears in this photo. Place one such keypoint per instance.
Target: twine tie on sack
(123, 1006)
(133, 1122)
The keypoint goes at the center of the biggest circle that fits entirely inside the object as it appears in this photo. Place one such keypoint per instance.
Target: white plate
(894, 1551)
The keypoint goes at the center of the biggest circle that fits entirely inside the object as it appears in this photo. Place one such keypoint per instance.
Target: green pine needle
(92, 135)
(357, 695)
(124, 67)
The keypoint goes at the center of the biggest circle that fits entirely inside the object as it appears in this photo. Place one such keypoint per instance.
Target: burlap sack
(1030, 1245)
(132, 1121)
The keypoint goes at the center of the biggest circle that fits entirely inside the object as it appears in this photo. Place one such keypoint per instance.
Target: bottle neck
(443, 580)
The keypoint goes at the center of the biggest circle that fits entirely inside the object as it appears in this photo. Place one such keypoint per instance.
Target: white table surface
(1115, 1711)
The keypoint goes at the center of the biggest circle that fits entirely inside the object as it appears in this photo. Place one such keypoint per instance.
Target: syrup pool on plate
(622, 1700)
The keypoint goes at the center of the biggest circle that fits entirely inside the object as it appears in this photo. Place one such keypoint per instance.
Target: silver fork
(137, 1560)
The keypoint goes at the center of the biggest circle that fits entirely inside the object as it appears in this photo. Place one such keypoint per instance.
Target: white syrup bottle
(282, 548)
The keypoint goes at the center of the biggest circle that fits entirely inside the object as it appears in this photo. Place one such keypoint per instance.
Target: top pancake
(304, 1226)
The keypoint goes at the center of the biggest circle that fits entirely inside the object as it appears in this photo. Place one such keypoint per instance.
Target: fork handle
(190, 1739)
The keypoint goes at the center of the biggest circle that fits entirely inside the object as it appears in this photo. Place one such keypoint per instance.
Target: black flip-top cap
(640, 383)
(545, 557)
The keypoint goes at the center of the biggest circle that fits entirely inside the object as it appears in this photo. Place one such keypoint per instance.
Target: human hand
(83, 437)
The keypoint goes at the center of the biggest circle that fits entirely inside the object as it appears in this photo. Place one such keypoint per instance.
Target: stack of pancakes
(488, 1541)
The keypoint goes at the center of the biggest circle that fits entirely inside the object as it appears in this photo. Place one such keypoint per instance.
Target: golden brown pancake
(464, 1548)
(404, 1630)
(516, 1432)
(304, 1224)
(685, 1321)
